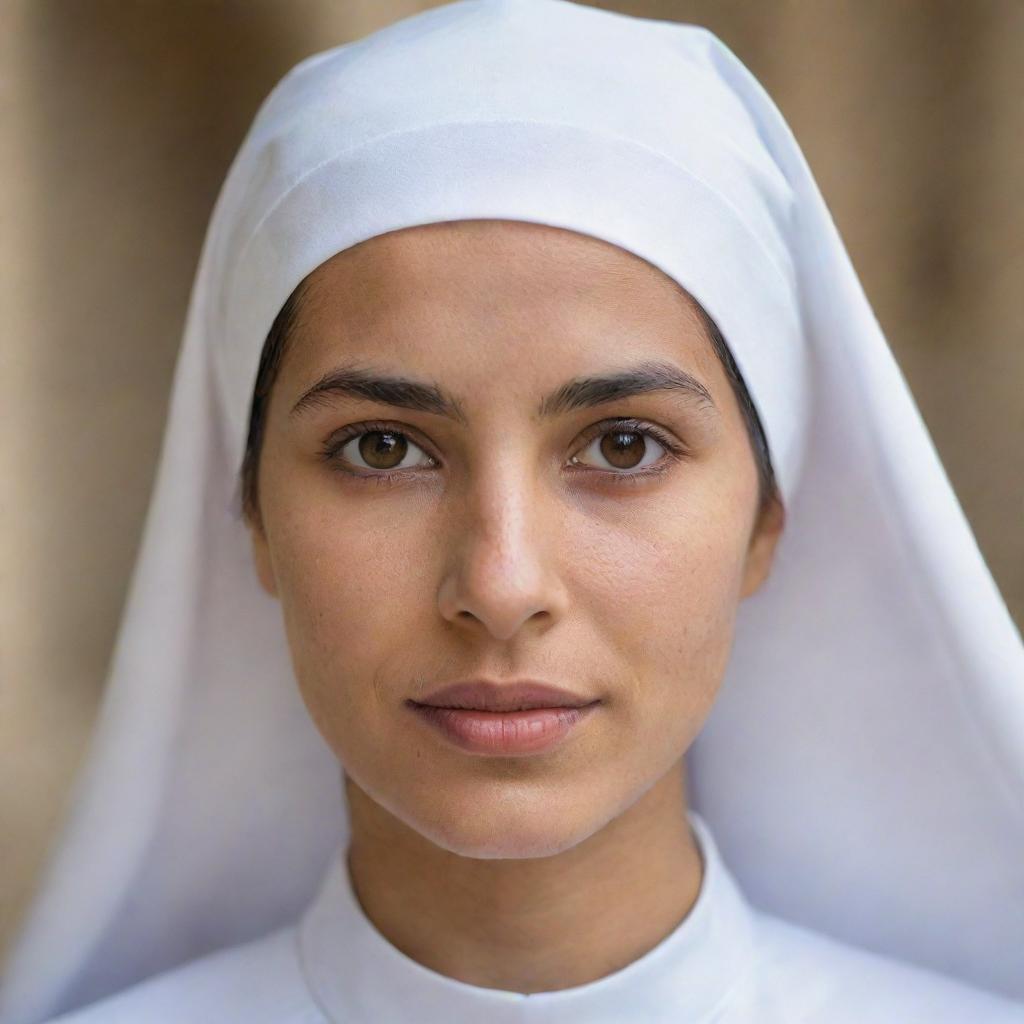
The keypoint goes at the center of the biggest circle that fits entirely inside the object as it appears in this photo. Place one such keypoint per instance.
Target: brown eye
(625, 449)
(382, 450)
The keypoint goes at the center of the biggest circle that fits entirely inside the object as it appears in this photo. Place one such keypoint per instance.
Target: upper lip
(521, 695)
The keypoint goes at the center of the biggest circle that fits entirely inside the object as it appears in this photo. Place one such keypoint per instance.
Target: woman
(523, 354)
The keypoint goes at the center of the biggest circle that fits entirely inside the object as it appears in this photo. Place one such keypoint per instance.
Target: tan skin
(504, 548)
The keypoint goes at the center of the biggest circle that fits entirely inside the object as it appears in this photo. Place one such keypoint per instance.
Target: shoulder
(258, 982)
(821, 980)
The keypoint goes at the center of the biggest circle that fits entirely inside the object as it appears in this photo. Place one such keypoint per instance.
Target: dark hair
(274, 348)
(767, 484)
(282, 328)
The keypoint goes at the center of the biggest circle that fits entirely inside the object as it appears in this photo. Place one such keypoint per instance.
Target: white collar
(355, 973)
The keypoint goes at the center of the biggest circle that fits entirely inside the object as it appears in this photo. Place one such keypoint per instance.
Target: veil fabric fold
(862, 770)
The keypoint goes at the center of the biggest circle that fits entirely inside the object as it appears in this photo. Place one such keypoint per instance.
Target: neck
(515, 924)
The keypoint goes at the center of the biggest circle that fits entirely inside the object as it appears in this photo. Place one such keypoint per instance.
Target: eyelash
(674, 451)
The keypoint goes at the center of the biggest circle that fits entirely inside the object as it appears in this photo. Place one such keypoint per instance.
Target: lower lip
(506, 733)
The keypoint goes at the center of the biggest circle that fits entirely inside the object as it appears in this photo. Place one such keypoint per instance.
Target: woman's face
(520, 535)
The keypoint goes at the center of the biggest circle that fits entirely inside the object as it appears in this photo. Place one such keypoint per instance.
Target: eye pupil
(623, 448)
(381, 453)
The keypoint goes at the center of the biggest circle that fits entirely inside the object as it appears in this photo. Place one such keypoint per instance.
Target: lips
(504, 719)
(523, 695)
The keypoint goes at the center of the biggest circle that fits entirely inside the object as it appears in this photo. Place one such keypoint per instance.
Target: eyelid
(339, 438)
(631, 424)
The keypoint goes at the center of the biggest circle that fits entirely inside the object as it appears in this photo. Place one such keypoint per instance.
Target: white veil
(863, 768)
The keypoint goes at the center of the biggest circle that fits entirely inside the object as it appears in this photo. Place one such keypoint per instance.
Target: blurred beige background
(118, 122)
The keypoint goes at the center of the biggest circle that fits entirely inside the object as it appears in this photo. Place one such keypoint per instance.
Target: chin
(516, 831)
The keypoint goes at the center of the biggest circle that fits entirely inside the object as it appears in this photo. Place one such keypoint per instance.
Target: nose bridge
(501, 572)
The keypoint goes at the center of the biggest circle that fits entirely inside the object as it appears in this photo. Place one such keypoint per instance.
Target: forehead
(409, 248)
(522, 265)
(491, 291)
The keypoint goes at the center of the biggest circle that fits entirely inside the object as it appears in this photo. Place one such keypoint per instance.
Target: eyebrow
(579, 393)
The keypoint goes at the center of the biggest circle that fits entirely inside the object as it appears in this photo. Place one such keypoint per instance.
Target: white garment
(725, 962)
(863, 764)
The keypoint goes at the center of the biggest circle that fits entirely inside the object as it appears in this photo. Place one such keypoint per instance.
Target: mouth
(504, 733)
(504, 719)
(520, 695)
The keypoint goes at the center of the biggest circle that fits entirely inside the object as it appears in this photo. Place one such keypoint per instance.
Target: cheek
(350, 596)
(663, 587)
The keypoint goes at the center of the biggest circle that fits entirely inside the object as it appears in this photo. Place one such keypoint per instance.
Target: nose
(503, 571)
